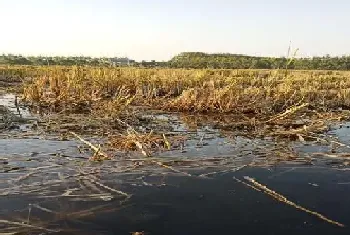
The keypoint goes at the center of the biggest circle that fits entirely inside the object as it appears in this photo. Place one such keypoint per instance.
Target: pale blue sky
(159, 29)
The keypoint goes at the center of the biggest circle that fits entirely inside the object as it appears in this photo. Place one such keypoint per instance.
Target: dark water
(220, 205)
(169, 203)
(223, 206)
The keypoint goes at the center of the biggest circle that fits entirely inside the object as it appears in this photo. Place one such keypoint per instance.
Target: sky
(160, 29)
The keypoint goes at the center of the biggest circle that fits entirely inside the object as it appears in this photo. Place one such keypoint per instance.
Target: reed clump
(108, 91)
(152, 142)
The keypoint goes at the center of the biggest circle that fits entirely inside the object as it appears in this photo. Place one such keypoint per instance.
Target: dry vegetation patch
(260, 98)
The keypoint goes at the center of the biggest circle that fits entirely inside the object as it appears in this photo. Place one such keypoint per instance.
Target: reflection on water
(10, 101)
(14, 116)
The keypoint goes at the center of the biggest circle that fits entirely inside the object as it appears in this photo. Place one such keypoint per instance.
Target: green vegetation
(11, 59)
(194, 60)
(236, 61)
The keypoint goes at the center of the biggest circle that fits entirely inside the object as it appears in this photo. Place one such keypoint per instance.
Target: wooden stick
(287, 112)
(262, 188)
(26, 225)
(94, 148)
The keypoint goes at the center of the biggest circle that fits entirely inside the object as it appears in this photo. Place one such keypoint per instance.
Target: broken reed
(108, 91)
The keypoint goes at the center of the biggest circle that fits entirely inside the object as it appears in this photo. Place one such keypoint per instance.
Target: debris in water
(252, 183)
(313, 184)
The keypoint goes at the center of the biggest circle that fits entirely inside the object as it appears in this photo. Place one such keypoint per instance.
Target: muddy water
(15, 116)
(49, 187)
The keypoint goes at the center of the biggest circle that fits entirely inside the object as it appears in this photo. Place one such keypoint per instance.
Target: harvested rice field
(98, 150)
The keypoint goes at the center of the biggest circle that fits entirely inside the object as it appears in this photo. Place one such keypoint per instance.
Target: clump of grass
(149, 142)
(109, 91)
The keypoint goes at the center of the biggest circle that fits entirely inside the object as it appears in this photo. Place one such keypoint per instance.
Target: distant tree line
(238, 61)
(197, 60)
(41, 60)
(11, 59)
